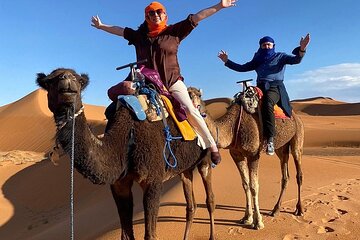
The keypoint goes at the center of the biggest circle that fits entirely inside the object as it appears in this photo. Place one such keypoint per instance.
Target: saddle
(149, 99)
(250, 99)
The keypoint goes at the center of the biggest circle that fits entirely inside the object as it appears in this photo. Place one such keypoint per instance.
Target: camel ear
(201, 92)
(84, 80)
(41, 80)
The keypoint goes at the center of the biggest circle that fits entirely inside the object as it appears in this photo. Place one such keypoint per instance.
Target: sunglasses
(158, 11)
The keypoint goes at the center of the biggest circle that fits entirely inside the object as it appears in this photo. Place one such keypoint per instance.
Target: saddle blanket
(185, 128)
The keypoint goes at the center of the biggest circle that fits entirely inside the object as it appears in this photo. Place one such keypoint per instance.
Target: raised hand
(223, 56)
(96, 22)
(304, 42)
(228, 3)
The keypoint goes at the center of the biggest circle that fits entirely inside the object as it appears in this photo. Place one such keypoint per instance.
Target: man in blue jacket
(270, 68)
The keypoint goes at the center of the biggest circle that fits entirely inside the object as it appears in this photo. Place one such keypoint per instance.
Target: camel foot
(274, 212)
(299, 212)
(257, 226)
(246, 220)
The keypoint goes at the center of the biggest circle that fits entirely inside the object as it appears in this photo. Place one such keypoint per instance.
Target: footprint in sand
(300, 219)
(323, 229)
(342, 212)
(356, 181)
(294, 237)
(235, 231)
(343, 198)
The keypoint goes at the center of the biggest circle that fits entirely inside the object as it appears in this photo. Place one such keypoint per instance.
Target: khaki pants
(180, 93)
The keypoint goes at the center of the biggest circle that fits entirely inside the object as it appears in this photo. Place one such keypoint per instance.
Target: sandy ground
(35, 192)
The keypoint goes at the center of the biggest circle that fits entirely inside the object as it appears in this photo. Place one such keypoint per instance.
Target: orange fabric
(279, 113)
(185, 128)
(155, 29)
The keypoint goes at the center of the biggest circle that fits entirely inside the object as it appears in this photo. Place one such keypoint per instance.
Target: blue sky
(39, 36)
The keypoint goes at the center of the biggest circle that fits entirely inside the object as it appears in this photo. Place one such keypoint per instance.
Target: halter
(60, 124)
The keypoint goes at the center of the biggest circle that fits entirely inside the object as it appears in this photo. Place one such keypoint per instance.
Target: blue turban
(264, 55)
(266, 39)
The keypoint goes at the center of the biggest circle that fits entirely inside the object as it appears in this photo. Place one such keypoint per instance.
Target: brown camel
(246, 153)
(130, 151)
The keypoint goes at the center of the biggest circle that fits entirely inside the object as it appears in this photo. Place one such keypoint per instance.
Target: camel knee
(254, 189)
(190, 212)
(246, 185)
(284, 182)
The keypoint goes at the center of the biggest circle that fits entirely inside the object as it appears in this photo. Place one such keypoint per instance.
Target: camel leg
(253, 165)
(187, 181)
(121, 191)
(241, 165)
(297, 154)
(205, 172)
(151, 202)
(283, 154)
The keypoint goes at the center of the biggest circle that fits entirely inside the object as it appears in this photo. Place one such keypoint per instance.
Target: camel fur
(130, 151)
(250, 144)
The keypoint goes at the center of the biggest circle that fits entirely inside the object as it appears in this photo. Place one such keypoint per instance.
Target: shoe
(215, 158)
(270, 149)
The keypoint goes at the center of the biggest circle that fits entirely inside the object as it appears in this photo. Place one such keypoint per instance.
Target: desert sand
(35, 192)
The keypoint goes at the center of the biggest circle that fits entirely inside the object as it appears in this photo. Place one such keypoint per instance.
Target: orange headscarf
(155, 29)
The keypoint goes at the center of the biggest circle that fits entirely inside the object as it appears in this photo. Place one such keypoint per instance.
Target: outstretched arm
(249, 66)
(304, 42)
(211, 10)
(96, 22)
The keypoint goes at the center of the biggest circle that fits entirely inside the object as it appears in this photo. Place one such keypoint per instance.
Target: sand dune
(27, 124)
(35, 193)
(325, 107)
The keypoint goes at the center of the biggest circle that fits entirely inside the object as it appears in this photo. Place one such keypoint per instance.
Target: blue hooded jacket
(270, 73)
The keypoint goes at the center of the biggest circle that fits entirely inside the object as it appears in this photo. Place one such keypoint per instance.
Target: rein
(168, 139)
(238, 125)
(60, 124)
(72, 170)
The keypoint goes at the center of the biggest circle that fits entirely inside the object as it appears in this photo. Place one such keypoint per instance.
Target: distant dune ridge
(28, 125)
(34, 199)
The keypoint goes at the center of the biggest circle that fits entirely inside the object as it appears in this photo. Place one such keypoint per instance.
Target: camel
(130, 151)
(247, 150)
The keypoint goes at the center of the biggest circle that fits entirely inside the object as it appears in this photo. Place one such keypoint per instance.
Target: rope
(72, 177)
(168, 139)
(153, 97)
(238, 125)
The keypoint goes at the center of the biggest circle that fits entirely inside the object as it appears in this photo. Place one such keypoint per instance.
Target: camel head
(195, 96)
(64, 88)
